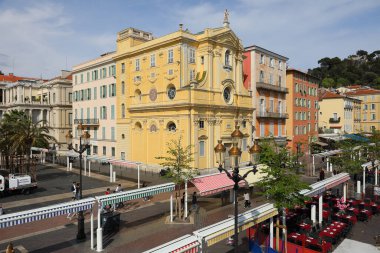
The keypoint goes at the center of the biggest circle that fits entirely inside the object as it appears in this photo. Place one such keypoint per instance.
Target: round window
(227, 95)
(171, 92)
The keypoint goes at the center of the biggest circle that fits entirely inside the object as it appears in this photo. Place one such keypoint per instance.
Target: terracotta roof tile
(364, 91)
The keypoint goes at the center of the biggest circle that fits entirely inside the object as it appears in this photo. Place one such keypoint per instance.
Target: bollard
(114, 176)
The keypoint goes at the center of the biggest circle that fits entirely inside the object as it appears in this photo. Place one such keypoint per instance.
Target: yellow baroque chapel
(183, 84)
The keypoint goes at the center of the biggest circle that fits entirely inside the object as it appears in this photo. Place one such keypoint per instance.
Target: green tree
(281, 184)
(328, 82)
(178, 162)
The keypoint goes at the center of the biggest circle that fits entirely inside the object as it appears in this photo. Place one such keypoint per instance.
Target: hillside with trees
(361, 68)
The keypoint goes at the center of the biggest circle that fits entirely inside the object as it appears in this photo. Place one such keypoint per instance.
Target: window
(76, 79)
(172, 127)
(137, 65)
(227, 58)
(123, 68)
(53, 97)
(170, 56)
(244, 144)
(271, 62)
(296, 130)
(262, 59)
(88, 113)
(103, 133)
(70, 118)
(113, 133)
(261, 76)
(372, 106)
(262, 129)
(304, 129)
(122, 155)
(70, 97)
(201, 124)
(271, 128)
(112, 111)
(95, 112)
(244, 123)
(104, 150)
(170, 72)
(103, 112)
(153, 128)
(88, 76)
(202, 148)
(95, 93)
(271, 105)
(123, 87)
(296, 115)
(335, 116)
(95, 150)
(113, 151)
(271, 78)
(202, 60)
(95, 133)
(122, 111)
(153, 60)
(365, 107)
(279, 126)
(279, 80)
(192, 74)
(373, 116)
(296, 87)
(280, 65)
(308, 127)
(104, 72)
(191, 55)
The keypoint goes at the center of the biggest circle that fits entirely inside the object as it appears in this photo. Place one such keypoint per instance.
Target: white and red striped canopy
(214, 183)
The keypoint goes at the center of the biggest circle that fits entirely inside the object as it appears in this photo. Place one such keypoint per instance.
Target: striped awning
(184, 244)
(340, 178)
(39, 149)
(118, 197)
(328, 183)
(125, 163)
(214, 183)
(12, 219)
(224, 229)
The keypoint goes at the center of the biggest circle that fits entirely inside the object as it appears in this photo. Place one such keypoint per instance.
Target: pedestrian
(1, 210)
(247, 203)
(194, 201)
(77, 191)
(118, 188)
(74, 190)
(145, 185)
(321, 175)
(108, 191)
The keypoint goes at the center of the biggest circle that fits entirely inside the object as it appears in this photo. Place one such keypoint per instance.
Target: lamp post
(298, 152)
(85, 136)
(235, 154)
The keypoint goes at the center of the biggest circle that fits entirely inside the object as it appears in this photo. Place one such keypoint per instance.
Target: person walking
(120, 204)
(322, 175)
(108, 191)
(247, 203)
(118, 188)
(74, 190)
(77, 191)
(194, 201)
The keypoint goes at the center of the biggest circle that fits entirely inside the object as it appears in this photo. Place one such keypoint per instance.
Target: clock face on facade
(227, 95)
(153, 94)
(171, 92)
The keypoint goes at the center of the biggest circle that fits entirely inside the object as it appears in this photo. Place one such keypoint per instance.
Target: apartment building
(302, 106)
(338, 113)
(182, 84)
(48, 100)
(265, 77)
(94, 104)
(369, 113)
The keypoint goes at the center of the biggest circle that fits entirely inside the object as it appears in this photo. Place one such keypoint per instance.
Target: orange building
(265, 76)
(302, 105)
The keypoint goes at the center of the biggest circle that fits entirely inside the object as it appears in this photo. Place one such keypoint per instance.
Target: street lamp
(298, 152)
(235, 154)
(85, 137)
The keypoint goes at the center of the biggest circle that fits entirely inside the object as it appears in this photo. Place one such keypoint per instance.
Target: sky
(41, 37)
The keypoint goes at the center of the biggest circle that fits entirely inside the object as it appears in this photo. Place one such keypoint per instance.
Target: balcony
(276, 115)
(349, 107)
(87, 122)
(334, 120)
(267, 86)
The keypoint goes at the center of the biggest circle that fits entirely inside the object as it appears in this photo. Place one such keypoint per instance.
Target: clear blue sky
(39, 38)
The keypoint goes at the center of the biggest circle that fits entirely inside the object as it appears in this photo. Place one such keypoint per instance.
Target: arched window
(227, 58)
(122, 87)
(171, 127)
(153, 128)
(123, 111)
(138, 126)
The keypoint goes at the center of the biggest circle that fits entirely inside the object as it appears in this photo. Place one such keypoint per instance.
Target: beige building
(369, 113)
(338, 113)
(42, 100)
(94, 104)
(182, 84)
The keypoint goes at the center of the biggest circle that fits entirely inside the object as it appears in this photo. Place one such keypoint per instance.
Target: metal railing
(334, 120)
(279, 115)
(86, 121)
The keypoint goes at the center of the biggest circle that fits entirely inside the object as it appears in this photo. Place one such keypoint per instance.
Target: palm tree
(23, 134)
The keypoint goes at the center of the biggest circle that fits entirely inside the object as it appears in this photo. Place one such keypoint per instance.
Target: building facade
(185, 85)
(302, 106)
(338, 113)
(265, 77)
(94, 104)
(42, 100)
(369, 113)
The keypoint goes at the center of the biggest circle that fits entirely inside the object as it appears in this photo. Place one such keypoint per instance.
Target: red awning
(338, 182)
(190, 248)
(214, 183)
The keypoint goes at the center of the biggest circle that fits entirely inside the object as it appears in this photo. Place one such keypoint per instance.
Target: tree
(328, 82)
(21, 134)
(178, 162)
(1, 72)
(281, 184)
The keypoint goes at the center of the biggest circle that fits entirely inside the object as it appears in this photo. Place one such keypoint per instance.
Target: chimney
(10, 74)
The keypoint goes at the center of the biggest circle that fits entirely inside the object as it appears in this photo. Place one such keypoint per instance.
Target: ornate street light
(235, 154)
(254, 152)
(84, 144)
